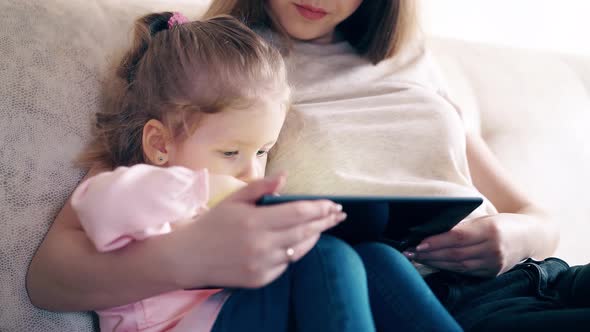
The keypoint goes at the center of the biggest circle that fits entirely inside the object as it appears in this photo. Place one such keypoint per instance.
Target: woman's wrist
(541, 234)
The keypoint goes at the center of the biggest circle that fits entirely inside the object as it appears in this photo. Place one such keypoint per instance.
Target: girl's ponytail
(145, 29)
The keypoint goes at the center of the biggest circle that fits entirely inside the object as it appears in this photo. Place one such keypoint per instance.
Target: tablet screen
(400, 221)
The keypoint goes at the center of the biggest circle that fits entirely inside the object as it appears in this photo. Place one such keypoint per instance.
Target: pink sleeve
(133, 203)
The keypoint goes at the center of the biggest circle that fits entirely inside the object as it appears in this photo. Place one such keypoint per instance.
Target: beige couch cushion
(52, 58)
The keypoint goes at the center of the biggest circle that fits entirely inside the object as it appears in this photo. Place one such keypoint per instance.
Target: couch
(533, 109)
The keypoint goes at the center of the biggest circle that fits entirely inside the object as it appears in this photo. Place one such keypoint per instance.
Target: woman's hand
(234, 244)
(485, 246)
(237, 244)
(221, 186)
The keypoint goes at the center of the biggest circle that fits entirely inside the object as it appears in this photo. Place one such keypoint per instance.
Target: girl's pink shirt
(131, 204)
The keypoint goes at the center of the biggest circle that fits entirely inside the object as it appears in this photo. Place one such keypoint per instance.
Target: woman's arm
(491, 179)
(68, 274)
(490, 245)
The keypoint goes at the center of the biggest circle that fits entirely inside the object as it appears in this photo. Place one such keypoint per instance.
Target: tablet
(400, 221)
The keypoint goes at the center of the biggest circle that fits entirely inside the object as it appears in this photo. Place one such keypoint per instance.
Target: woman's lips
(311, 13)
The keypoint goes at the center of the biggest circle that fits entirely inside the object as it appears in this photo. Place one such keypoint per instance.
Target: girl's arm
(67, 273)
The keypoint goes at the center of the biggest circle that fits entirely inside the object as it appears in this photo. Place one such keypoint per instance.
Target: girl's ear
(156, 142)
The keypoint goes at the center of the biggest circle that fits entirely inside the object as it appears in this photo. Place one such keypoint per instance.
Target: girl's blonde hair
(173, 74)
(377, 30)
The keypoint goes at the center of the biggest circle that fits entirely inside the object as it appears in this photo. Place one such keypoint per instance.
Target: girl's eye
(230, 153)
(261, 153)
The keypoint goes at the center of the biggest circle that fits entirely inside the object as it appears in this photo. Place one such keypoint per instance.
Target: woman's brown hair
(173, 75)
(378, 29)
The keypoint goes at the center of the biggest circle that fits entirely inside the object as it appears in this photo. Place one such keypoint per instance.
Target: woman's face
(312, 20)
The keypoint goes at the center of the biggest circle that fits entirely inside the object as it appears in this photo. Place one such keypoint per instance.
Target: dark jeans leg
(534, 296)
(523, 320)
(573, 286)
(325, 291)
(400, 299)
(263, 309)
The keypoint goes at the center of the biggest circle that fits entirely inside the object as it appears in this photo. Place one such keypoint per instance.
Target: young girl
(200, 105)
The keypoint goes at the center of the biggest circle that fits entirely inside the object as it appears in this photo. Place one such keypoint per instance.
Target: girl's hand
(485, 246)
(237, 244)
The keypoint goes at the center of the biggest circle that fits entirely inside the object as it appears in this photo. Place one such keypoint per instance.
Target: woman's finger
(463, 235)
(456, 266)
(300, 233)
(289, 215)
(257, 280)
(302, 248)
(280, 255)
(451, 254)
(255, 190)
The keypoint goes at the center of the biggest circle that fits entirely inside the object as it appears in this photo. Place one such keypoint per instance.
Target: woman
(374, 119)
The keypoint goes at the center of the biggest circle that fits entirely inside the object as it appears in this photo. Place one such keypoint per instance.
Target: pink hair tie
(177, 19)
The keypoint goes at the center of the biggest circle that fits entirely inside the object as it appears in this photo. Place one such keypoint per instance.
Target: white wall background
(561, 25)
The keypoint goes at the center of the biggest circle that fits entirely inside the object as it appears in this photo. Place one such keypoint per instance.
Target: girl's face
(233, 142)
(312, 20)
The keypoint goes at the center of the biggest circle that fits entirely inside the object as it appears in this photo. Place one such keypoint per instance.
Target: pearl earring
(161, 158)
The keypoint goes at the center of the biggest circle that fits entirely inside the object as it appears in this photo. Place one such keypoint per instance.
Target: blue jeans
(400, 298)
(533, 296)
(327, 291)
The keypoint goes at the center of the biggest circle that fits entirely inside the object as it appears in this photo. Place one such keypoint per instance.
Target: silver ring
(290, 252)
